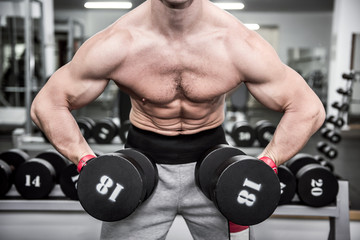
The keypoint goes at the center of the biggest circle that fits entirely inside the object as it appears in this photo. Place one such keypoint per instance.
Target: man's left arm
(280, 88)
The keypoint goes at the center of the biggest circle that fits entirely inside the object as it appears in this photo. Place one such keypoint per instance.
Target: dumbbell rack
(37, 143)
(337, 121)
(338, 213)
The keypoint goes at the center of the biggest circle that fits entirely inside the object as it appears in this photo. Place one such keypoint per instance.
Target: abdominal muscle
(180, 117)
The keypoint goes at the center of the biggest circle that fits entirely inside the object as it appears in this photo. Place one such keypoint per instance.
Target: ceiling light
(230, 5)
(252, 26)
(108, 5)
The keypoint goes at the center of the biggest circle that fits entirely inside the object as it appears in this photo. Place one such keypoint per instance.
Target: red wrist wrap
(234, 228)
(270, 162)
(83, 160)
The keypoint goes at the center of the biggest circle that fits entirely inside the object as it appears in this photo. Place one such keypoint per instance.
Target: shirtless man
(177, 59)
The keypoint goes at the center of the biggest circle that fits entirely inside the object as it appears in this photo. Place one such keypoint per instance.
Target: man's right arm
(73, 86)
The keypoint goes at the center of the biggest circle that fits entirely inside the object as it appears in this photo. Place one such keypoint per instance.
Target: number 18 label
(244, 196)
(106, 183)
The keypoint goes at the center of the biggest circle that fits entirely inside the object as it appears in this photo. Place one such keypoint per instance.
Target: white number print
(244, 196)
(75, 179)
(35, 182)
(106, 183)
(282, 186)
(316, 189)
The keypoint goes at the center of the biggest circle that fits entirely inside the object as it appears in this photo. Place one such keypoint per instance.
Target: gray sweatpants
(176, 193)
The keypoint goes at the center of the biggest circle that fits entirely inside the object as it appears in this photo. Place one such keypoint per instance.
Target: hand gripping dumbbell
(10, 161)
(244, 189)
(316, 185)
(110, 187)
(36, 177)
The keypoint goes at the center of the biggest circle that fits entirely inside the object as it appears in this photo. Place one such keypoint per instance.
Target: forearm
(61, 129)
(293, 132)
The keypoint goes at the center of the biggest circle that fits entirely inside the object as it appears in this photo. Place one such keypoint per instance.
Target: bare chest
(161, 72)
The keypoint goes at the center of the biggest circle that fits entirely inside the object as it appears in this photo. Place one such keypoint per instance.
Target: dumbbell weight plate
(35, 179)
(86, 125)
(104, 131)
(317, 186)
(13, 159)
(243, 134)
(111, 187)
(5, 178)
(334, 137)
(148, 168)
(212, 160)
(299, 161)
(123, 130)
(247, 190)
(58, 161)
(68, 181)
(265, 131)
(287, 184)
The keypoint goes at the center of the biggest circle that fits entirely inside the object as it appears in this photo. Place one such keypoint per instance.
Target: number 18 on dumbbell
(244, 189)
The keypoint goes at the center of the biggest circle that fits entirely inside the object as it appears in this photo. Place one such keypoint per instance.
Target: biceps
(68, 88)
(280, 91)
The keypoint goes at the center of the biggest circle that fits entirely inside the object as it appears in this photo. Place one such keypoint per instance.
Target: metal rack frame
(338, 213)
(30, 58)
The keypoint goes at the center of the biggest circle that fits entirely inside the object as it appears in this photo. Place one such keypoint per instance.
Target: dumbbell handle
(83, 161)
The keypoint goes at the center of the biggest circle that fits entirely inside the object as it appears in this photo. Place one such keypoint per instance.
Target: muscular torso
(177, 85)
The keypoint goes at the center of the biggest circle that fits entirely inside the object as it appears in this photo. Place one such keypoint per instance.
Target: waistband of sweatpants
(180, 149)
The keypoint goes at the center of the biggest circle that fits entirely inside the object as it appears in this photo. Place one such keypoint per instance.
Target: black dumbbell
(350, 76)
(111, 186)
(326, 149)
(264, 132)
(123, 130)
(244, 189)
(242, 133)
(344, 92)
(316, 185)
(287, 184)
(68, 181)
(323, 162)
(332, 135)
(69, 178)
(344, 107)
(10, 161)
(104, 131)
(36, 177)
(86, 126)
(338, 122)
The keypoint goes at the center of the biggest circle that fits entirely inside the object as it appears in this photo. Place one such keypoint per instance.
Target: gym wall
(306, 30)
